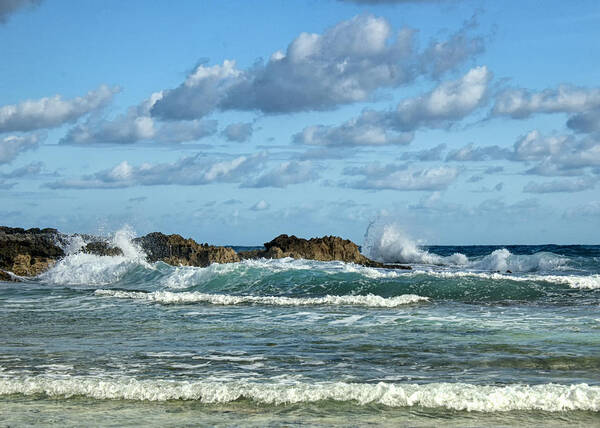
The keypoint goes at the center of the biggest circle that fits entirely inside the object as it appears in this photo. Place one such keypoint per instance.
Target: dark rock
(5, 276)
(328, 248)
(29, 252)
(176, 250)
(101, 248)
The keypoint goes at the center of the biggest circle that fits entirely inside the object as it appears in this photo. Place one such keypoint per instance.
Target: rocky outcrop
(328, 248)
(31, 252)
(102, 248)
(28, 252)
(176, 250)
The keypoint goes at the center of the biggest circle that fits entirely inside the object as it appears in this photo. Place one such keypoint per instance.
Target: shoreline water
(119, 339)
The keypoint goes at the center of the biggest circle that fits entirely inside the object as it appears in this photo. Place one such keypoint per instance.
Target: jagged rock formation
(326, 249)
(28, 252)
(31, 252)
(176, 250)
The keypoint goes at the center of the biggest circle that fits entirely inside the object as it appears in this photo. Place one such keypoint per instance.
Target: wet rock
(101, 248)
(327, 248)
(176, 250)
(29, 252)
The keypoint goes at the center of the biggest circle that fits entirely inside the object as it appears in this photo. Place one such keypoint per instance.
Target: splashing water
(386, 242)
(90, 269)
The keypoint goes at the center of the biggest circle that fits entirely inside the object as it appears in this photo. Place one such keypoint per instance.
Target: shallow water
(116, 341)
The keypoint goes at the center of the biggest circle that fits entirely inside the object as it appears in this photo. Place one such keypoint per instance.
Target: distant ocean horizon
(472, 335)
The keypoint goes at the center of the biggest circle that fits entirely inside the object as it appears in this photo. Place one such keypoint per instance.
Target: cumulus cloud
(136, 125)
(192, 170)
(238, 132)
(356, 132)
(433, 154)
(53, 111)
(347, 63)
(34, 169)
(286, 173)
(557, 186)
(402, 177)
(559, 155)
(261, 205)
(12, 145)
(522, 103)
(472, 153)
(554, 154)
(449, 102)
(8, 7)
(586, 122)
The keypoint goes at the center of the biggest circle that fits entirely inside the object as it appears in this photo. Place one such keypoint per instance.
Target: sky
(232, 121)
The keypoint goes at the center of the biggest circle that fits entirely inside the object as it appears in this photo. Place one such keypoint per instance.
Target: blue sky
(463, 122)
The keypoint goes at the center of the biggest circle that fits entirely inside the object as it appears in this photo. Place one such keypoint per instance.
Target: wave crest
(168, 297)
(456, 396)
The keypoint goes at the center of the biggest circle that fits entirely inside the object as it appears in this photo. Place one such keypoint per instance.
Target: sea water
(472, 335)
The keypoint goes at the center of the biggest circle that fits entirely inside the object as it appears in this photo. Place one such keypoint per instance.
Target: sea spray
(79, 268)
(386, 242)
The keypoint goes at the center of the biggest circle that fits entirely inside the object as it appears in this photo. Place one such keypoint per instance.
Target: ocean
(471, 336)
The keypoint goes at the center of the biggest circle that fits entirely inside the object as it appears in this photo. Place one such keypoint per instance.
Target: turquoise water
(456, 341)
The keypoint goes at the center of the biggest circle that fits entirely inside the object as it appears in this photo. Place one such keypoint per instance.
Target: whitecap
(455, 396)
(168, 297)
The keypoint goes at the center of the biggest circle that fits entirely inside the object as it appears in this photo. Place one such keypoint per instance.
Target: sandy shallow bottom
(28, 411)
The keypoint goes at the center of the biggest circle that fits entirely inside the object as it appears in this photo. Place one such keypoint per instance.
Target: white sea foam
(89, 269)
(168, 297)
(456, 396)
(573, 281)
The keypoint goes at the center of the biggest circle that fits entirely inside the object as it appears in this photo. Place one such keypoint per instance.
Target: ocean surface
(472, 336)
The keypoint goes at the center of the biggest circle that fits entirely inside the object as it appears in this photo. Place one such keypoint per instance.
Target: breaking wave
(388, 243)
(455, 396)
(168, 297)
(78, 268)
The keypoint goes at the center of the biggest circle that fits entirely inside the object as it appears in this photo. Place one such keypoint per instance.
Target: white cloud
(449, 102)
(535, 146)
(402, 177)
(286, 173)
(345, 64)
(12, 145)
(471, 153)
(192, 170)
(555, 154)
(352, 133)
(522, 103)
(261, 205)
(238, 132)
(433, 154)
(53, 111)
(136, 125)
(34, 169)
(557, 186)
